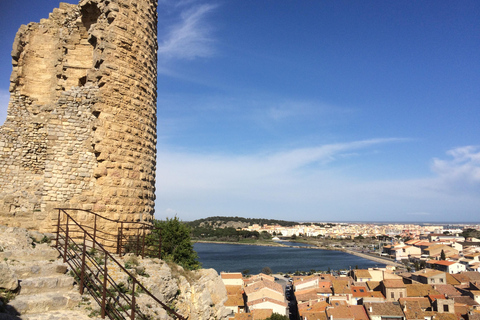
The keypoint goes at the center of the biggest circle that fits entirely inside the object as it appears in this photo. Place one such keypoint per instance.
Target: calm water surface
(236, 258)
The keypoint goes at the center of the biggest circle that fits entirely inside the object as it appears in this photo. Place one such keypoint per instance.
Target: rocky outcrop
(35, 281)
(198, 294)
(44, 289)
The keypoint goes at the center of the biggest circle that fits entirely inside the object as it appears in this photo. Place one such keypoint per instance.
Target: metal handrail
(92, 272)
(120, 241)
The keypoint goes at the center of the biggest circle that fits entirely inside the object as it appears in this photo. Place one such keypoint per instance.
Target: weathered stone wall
(81, 124)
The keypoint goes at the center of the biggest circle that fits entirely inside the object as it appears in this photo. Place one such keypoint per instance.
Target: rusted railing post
(119, 241)
(94, 230)
(104, 293)
(82, 273)
(58, 227)
(66, 240)
(132, 315)
(143, 243)
(137, 244)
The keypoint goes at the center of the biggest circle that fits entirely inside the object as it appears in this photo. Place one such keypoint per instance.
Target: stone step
(41, 303)
(42, 252)
(59, 315)
(59, 283)
(37, 269)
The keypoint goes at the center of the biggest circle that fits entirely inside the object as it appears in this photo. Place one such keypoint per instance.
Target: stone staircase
(45, 290)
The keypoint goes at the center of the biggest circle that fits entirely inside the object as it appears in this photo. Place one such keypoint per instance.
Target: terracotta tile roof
(233, 289)
(465, 300)
(387, 309)
(412, 309)
(451, 280)
(445, 316)
(266, 299)
(420, 290)
(412, 241)
(393, 284)
(259, 285)
(341, 287)
(231, 275)
(442, 262)
(436, 246)
(242, 316)
(362, 273)
(339, 312)
(305, 280)
(428, 273)
(462, 278)
(373, 285)
(260, 314)
(447, 289)
(315, 316)
(434, 297)
(461, 308)
(358, 292)
(472, 275)
(360, 284)
(306, 295)
(424, 303)
(234, 301)
(422, 243)
(316, 307)
(336, 303)
(474, 315)
(359, 313)
(375, 294)
(324, 290)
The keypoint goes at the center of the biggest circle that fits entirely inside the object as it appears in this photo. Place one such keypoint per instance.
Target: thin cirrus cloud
(207, 171)
(191, 36)
(460, 173)
(303, 180)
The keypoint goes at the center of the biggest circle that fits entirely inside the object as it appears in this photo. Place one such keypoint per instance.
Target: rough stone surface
(43, 290)
(8, 280)
(47, 291)
(81, 123)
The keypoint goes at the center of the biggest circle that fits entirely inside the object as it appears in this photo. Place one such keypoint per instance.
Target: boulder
(8, 280)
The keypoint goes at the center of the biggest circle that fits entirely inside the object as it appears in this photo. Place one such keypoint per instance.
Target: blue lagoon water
(236, 258)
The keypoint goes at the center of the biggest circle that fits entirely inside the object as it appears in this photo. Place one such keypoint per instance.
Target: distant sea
(237, 258)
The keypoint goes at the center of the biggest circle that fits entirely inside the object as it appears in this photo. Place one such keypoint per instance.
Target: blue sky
(310, 110)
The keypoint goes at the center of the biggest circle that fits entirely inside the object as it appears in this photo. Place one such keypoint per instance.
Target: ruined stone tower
(81, 124)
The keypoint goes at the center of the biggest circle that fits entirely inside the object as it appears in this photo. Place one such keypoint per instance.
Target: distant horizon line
(400, 222)
(360, 221)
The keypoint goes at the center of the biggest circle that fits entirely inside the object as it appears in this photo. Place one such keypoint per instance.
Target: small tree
(267, 270)
(265, 235)
(245, 272)
(277, 316)
(442, 255)
(176, 243)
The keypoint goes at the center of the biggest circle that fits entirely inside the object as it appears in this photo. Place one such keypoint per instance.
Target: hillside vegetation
(229, 228)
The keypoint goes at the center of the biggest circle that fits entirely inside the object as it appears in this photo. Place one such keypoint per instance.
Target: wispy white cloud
(286, 110)
(299, 184)
(191, 36)
(460, 173)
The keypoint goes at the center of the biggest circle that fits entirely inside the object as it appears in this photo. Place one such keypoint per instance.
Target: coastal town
(443, 285)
